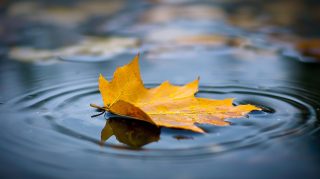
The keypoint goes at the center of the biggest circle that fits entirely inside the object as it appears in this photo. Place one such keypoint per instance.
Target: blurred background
(266, 53)
(39, 31)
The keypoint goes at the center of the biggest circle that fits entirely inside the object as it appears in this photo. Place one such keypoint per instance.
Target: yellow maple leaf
(165, 105)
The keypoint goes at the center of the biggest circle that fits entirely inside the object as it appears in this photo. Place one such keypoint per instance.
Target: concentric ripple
(61, 115)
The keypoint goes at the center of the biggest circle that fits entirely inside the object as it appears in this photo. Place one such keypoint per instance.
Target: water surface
(46, 126)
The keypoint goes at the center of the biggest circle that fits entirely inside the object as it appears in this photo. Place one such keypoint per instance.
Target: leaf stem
(98, 107)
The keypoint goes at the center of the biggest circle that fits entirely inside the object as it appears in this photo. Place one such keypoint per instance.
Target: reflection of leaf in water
(90, 46)
(131, 132)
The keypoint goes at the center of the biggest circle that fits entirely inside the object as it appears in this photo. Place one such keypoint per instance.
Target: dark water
(47, 130)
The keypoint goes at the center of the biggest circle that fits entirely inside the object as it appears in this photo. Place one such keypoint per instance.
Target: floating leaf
(165, 105)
